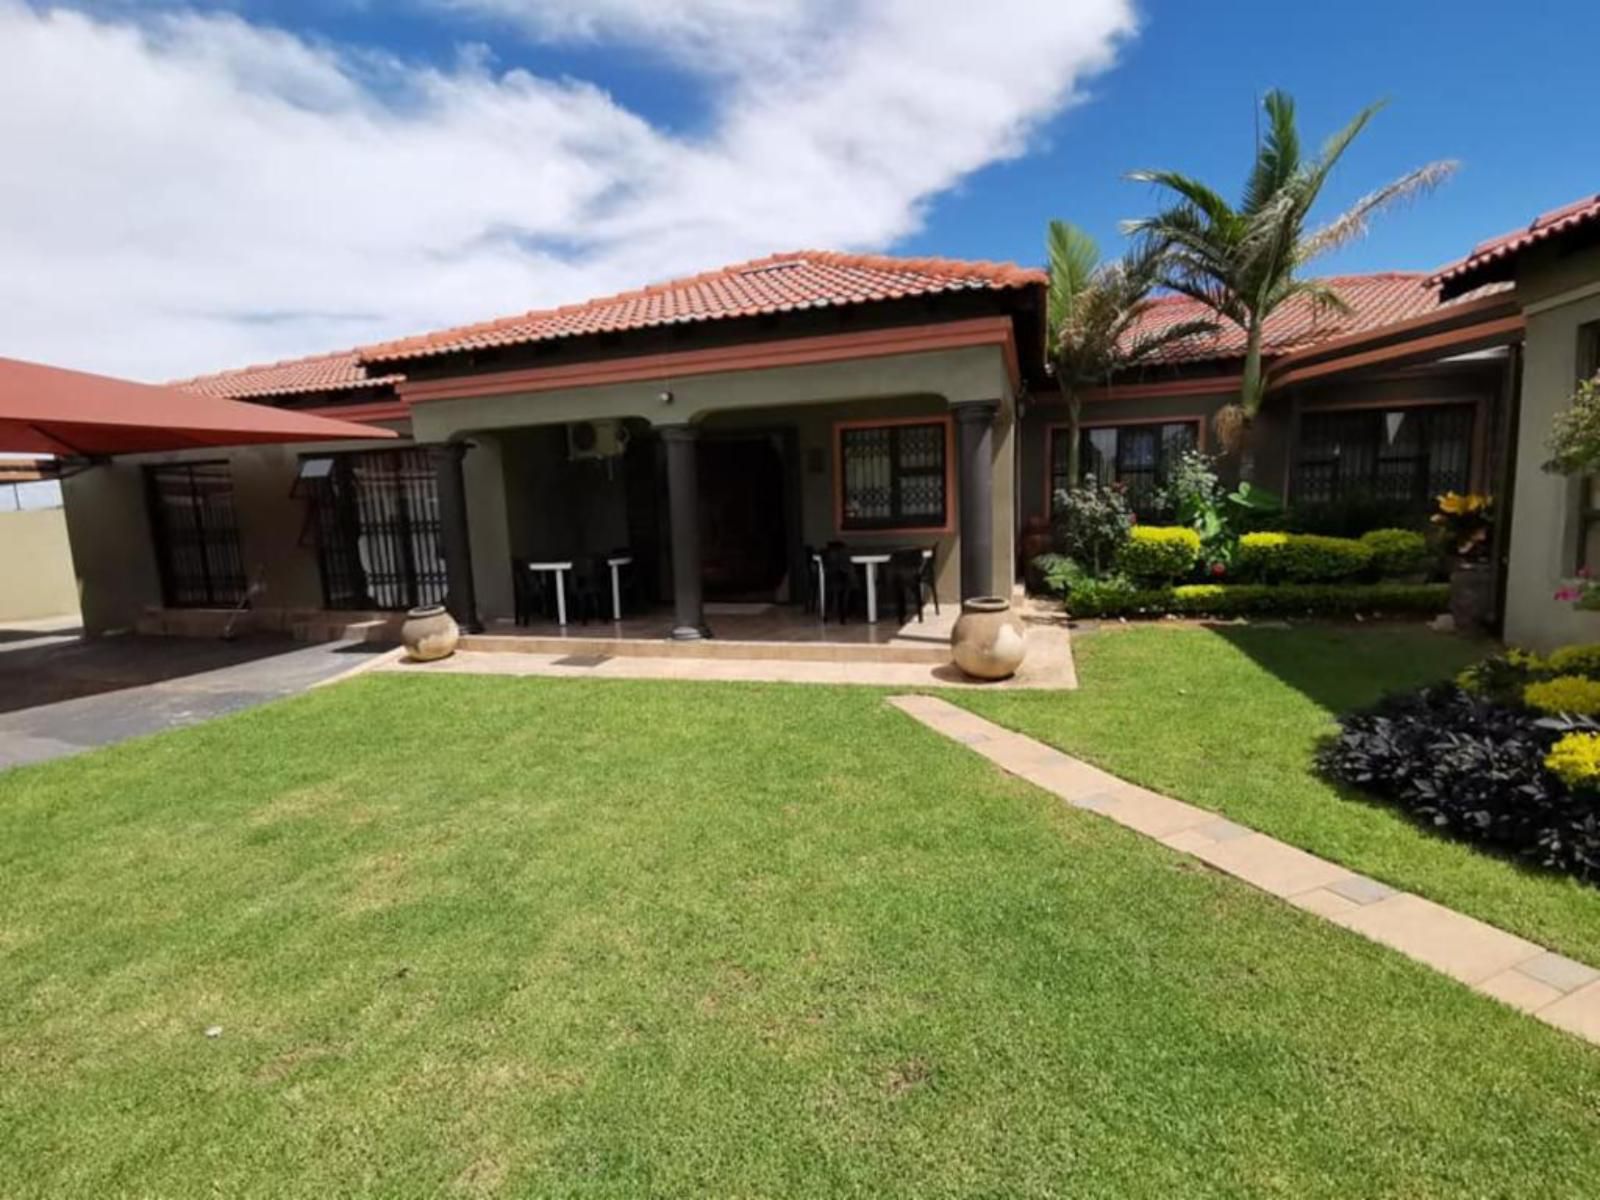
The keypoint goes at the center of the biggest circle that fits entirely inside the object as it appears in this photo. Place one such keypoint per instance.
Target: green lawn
(548, 938)
(1228, 720)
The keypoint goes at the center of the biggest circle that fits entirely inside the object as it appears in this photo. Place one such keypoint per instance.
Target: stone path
(1555, 989)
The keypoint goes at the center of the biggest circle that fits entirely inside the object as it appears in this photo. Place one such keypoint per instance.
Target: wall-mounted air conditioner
(596, 439)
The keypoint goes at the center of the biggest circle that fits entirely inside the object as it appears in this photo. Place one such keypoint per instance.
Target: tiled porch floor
(757, 623)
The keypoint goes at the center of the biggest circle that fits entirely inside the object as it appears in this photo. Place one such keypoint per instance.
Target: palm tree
(1094, 312)
(1243, 262)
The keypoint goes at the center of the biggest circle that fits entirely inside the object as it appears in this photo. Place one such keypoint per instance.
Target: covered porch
(822, 500)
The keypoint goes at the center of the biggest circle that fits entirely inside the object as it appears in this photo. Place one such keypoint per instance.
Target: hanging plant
(1575, 433)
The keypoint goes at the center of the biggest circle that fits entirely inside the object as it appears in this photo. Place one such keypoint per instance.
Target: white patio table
(614, 562)
(559, 570)
(868, 560)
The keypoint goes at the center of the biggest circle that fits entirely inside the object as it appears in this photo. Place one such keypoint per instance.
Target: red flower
(1218, 570)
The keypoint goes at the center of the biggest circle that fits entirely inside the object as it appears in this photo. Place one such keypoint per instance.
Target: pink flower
(1569, 594)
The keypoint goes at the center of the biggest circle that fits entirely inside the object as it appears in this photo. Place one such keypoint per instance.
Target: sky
(200, 185)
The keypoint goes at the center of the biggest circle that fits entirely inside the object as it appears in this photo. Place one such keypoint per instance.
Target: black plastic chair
(904, 576)
(841, 580)
(525, 591)
(808, 589)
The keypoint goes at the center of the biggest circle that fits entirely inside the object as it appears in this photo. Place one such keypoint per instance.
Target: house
(1370, 414)
(717, 426)
(1552, 270)
(723, 426)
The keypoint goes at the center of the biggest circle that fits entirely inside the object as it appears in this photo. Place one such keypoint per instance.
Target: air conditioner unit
(596, 439)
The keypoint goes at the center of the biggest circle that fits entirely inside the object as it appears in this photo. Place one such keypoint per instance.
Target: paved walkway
(1555, 989)
(1048, 666)
(61, 695)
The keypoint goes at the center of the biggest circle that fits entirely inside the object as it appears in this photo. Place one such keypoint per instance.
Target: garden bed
(1282, 600)
(1508, 756)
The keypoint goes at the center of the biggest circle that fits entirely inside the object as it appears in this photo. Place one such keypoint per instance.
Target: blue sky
(208, 183)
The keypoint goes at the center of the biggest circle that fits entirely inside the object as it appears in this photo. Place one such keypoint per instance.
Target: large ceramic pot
(429, 633)
(987, 642)
(1472, 596)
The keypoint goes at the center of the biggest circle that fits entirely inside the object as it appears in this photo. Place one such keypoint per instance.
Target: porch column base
(683, 502)
(975, 488)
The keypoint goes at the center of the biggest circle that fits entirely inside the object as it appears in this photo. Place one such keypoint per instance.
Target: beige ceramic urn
(429, 633)
(987, 642)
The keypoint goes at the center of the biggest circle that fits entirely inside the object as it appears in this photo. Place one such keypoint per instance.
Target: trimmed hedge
(1120, 599)
(1397, 551)
(1157, 554)
(1300, 558)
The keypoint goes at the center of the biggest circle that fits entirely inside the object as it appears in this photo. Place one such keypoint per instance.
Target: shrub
(1094, 597)
(1570, 694)
(1397, 552)
(1473, 769)
(1158, 553)
(1239, 600)
(1091, 523)
(1058, 574)
(1503, 677)
(1575, 760)
(1583, 659)
(1300, 558)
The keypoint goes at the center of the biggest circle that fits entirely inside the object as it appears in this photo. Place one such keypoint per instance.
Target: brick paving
(1527, 976)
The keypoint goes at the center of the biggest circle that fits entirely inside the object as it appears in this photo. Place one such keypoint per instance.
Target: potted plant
(1464, 522)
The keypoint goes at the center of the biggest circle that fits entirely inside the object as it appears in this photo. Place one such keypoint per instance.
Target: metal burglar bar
(197, 535)
(376, 516)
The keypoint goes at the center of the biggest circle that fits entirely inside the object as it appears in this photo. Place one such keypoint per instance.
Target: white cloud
(190, 191)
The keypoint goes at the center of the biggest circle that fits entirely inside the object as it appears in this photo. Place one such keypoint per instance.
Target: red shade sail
(49, 410)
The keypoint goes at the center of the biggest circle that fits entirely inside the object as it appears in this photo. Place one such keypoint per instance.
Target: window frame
(1586, 365)
(842, 524)
(1475, 444)
(226, 585)
(1198, 420)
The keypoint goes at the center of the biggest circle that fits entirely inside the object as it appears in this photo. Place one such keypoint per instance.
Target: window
(1140, 457)
(893, 476)
(1399, 456)
(375, 519)
(1588, 492)
(197, 535)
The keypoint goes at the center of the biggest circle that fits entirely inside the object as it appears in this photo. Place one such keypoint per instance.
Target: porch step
(614, 647)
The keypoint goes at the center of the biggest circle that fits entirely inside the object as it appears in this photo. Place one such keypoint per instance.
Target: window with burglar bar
(375, 519)
(1405, 456)
(197, 535)
(1588, 485)
(893, 476)
(1140, 457)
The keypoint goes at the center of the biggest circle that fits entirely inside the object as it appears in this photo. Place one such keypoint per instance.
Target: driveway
(61, 694)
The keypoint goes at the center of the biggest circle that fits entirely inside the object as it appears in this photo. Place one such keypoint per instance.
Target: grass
(1228, 719)
(548, 938)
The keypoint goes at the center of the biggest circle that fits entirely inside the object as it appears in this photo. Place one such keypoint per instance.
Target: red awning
(49, 410)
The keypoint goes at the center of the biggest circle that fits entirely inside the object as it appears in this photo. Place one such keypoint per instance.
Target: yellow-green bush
(1575, 760)
(1397, 551)
(1300, 558)
(1583, 659)
(1570, 694)
(1155, 554)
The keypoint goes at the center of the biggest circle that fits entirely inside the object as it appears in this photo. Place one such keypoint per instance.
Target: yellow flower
(1458, 505)
(1575, 759)
(1571, 694)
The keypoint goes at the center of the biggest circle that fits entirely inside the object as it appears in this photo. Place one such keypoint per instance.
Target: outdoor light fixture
(665, 397)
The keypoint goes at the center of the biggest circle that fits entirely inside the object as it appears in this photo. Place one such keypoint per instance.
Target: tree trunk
(1252, 390)
(1074, 436)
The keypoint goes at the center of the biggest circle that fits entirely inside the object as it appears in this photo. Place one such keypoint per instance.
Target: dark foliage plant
(1473, 769)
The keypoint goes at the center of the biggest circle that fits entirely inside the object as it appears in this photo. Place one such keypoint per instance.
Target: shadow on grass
(1344, 667)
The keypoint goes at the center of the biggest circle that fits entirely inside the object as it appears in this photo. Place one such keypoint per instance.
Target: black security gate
(197, 535)
(376, 519)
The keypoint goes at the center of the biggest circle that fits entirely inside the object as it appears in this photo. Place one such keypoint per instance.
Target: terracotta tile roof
(320, 373)
(1499, 250)
(1377, 300)
(803, 279)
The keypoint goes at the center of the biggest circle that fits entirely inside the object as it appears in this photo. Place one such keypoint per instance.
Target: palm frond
(1333, 149)
(1146, 344)
(1074, 258)
(1277, 157)
(1186, 186)
(1351, 225)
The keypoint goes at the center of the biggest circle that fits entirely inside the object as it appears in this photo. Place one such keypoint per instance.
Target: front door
(743, 523)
